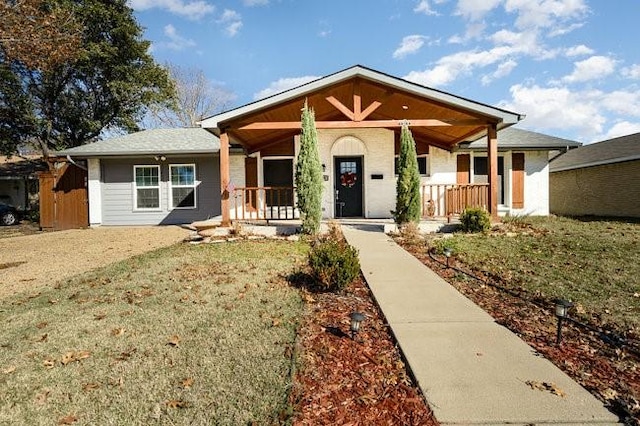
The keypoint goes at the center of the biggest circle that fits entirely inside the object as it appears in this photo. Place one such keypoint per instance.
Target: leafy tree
(408, 187)
(196, 98)
(309, 174)
(105, 84)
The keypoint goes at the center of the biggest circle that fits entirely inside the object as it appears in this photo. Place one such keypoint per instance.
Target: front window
(183, 185)
(423, 165)
(147, 187)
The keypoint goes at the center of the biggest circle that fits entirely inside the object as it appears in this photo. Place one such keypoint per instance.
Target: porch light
(356, 320)
(562, 307)
(447, 251)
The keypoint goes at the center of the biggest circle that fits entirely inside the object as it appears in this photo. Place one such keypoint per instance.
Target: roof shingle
(624, 148)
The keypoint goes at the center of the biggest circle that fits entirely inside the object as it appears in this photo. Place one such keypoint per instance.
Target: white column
(95, 192)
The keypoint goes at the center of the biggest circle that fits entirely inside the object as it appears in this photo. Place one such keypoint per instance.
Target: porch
(439, 201)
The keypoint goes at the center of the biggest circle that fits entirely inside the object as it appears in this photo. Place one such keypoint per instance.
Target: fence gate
(64, 198)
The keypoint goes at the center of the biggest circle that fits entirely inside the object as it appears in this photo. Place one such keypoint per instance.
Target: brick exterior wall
(609, 190)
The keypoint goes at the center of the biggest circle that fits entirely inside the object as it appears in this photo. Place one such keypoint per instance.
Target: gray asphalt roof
(519, 139)
(624, 148)
(155, 141)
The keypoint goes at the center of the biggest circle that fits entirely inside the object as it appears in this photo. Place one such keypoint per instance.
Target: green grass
(594, 263)
(226, 306)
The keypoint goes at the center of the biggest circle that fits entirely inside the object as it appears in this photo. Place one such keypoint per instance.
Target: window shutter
(462, 175)
(517, 180)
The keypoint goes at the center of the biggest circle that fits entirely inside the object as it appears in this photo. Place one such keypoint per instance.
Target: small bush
(475, 219)
(334, 264)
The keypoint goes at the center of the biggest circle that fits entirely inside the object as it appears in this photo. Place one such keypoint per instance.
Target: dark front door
(348, 186)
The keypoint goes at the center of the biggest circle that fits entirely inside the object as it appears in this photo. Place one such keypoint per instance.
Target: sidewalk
(470, 369)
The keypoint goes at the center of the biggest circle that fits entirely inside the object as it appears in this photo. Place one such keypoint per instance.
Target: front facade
(599, 179)
(240, 164)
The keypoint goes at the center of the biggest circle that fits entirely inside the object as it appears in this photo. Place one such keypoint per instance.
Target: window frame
(194, 186)
(156, 187)
(426, 164)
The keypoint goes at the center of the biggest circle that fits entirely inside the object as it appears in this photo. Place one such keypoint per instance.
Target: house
(240, 164)
(19, 181)
(600, 179)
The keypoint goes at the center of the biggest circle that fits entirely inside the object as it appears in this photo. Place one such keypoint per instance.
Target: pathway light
(562, 307)
(356, 320)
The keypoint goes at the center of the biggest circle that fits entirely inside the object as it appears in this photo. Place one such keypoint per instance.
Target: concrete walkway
(470, 369)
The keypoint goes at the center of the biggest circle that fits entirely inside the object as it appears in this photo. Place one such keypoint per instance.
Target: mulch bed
(352, 382)
(611, 374)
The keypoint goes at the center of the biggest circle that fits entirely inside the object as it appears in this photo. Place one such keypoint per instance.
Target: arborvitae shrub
(475, 219)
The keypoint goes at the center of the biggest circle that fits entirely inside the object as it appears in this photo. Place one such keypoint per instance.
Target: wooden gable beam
(341, 107)
(283, 125)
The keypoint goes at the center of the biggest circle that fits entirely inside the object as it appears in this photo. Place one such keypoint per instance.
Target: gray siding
(117, 192)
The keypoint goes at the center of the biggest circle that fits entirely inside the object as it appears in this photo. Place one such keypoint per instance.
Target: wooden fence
(63, 198)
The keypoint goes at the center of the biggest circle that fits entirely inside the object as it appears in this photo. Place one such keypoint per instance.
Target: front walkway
(470, 369)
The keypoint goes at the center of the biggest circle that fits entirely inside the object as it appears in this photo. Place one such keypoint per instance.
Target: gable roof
(192, 140)
(524, 140)
(617, 150)
(398, 100)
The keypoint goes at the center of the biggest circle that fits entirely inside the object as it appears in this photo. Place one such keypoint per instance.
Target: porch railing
(445, 200)
(263, 203)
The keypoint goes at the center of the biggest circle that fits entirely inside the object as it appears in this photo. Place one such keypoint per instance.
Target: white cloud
(546, 13)
(193, 10)
(424, 7)
(622, 128)
(251, 3)
(283, 84)
(475, 10)
(503, 70)
(176, 41)
(632, 72)
(591, 68)
(409, 45)
(232, 22)
(579, 50)
(473, 31)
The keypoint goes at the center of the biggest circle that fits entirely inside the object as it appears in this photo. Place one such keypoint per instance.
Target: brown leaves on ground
(74, 356)
(176, 403)
(612, 375)
(342, 381)
(174, 340)
(546, 386)
(68, 420)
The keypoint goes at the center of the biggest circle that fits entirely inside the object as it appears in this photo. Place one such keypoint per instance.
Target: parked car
(8, 215)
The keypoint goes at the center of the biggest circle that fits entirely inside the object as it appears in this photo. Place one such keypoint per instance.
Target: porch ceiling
(361, 98)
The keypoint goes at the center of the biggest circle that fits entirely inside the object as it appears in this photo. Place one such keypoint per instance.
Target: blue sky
(572, 66)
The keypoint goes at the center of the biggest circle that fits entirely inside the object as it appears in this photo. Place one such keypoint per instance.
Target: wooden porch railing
(445, 200)
(264, 203)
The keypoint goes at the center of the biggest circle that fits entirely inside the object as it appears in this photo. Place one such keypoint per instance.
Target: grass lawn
(184, 335)
(593, 263)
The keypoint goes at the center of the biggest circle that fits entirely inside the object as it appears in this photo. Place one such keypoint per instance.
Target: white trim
(135, 189)
(94, 189)
(194, 186)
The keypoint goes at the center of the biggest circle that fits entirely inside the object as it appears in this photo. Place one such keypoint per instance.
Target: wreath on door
(348, 179)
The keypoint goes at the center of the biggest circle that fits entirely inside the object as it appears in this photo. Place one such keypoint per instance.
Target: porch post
(492, 144)
(224, 178)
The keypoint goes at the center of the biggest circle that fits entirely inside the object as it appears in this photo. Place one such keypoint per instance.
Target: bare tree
(196, 98)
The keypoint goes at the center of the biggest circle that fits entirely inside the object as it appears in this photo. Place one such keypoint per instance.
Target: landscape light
(562, 307)
(447, 253)
(356, 320)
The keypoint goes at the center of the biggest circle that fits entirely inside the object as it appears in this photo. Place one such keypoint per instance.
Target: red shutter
(517, 180)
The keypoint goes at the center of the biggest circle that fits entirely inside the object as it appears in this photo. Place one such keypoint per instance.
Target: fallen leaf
(546, 386)
(117, 331)
(41, 325)
(42, 397)
(90, 386)
(67, 358)
(74, 356)
(99, 316)
(44, 337)
(9, 370)
(276, 322)
(174, 340)
(116, 382)
(187, 383)
(53, 301)
(176, 403)
(49, 363)
(609, 394)
(67, 420)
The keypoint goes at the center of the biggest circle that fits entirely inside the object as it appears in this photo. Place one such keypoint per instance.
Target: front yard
(182, 335)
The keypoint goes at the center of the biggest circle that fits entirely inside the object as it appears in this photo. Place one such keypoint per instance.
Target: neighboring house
(19, 180)
(240, 164)
(599, 179)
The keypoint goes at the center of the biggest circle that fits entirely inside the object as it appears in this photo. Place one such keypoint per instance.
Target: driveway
(31, 262)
